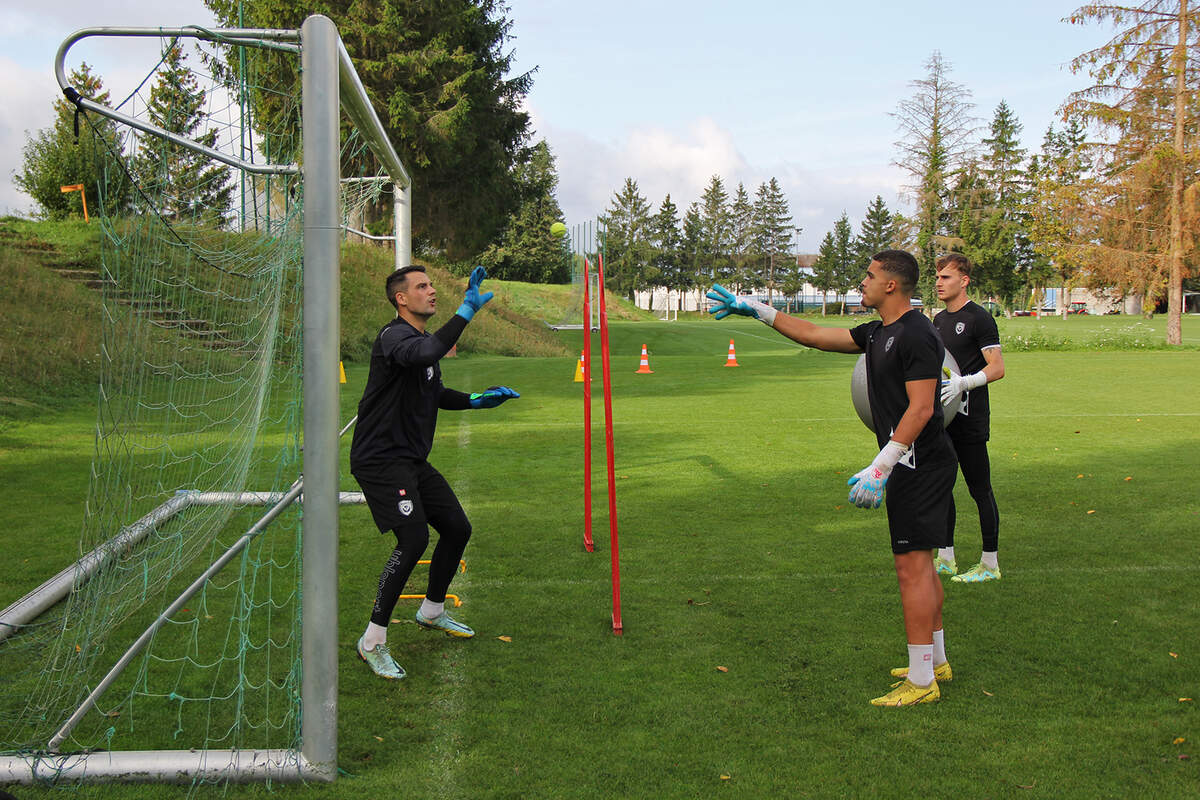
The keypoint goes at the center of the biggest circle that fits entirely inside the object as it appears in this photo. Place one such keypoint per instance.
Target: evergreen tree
(693, 273)
(715, 240)
(527, 251)
(668, 258)
(935, 126)
(742, 236)
(438, 74)
(1056, 174)
(772, 233)
(184, 186)
(54, 158)
(824, 277)
(993, 197)
(878, 232)
(846, 272)
(628, 249)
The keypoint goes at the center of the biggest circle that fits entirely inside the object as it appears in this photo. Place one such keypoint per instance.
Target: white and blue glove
(866, 486)
(473, 301)
(726, 302)
(492, 396)
(957, 384)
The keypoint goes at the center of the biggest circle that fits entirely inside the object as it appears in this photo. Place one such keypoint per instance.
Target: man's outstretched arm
(834, 340)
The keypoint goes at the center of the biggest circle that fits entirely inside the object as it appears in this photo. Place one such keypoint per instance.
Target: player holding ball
(915, 470)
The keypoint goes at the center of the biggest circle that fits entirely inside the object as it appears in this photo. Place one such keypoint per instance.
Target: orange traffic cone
(644, 366)
(579, 370)
(731, 360)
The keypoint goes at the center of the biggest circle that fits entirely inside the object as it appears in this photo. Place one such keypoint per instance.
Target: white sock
(920, 664)
(989, 560)
(431, 610)
(376, 634)
(946, 553)
(939, 647)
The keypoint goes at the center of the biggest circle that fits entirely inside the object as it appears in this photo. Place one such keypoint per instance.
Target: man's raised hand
(473, 300)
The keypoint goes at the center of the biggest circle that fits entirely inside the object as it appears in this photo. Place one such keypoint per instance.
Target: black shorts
(410, 493)
(918, 506)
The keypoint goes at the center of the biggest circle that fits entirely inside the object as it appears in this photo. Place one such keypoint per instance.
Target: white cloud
(27, 107)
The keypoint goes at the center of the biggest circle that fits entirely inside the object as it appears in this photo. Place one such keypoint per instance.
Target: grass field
(760, 610)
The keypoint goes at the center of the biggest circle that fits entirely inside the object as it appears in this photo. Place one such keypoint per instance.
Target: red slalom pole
(608, 442)
(587, 409)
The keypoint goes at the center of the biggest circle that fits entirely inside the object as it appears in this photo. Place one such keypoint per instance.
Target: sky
(667, 92)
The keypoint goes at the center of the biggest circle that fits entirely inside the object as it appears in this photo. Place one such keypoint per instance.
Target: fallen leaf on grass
(1128, 477)
(1185, 699)
(1179, 740)
(112, 714)
(722, 669)
(379, 738)
(692, 602)
(725, 776)
(1184, 756)
(504, 638)
(1030, 786)
(1080, 475)
(1172, 655)
(1092, 511)
(989, 694)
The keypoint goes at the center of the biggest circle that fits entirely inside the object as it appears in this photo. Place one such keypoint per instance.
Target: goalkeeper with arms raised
(392, 439)
(916, 463)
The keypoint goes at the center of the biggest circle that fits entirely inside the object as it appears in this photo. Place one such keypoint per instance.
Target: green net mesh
(199, 402)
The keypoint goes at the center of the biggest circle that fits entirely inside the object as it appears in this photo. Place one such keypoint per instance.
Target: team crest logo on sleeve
(406, 507)
(960, 327)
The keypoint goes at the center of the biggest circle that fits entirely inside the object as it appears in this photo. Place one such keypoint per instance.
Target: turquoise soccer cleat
(978, 574)
(447, 624)
(380, 661)
(945, 566)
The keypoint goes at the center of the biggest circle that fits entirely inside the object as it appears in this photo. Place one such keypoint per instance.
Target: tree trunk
(1175, 281)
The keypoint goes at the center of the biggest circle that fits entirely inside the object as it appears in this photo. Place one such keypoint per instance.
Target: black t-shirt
(907, 350)
(966, 333)
(398, 410)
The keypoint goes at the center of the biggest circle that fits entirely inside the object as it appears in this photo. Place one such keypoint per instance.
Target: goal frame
(330, 85)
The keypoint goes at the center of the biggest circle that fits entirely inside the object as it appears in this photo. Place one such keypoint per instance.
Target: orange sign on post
(77, 187)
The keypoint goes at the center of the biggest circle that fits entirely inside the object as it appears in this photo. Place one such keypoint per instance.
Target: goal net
(172, 650)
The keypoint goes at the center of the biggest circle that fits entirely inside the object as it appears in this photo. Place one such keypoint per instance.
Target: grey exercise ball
(862, 405)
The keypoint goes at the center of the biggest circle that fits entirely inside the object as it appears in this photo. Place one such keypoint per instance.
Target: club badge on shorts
(406, 507)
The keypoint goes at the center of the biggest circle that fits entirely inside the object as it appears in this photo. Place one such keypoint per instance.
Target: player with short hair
(970, 334)
(392, 439)
(915, 463)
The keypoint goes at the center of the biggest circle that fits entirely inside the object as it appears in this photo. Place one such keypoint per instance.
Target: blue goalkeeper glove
(726, 302)
(492, 396)
(866, 486)
(473, 301)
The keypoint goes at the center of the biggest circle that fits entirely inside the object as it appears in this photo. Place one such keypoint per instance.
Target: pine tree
(936, 127)
(526, 250)
(668, 258)
(878, 232)
(54, 158)
(824, 275)
(741, 236)
(627, 244)
(846, 272)
(715, 240)
(183, 185)
(1056, 174)
(438, 74)
(692, 272)
(772, 233)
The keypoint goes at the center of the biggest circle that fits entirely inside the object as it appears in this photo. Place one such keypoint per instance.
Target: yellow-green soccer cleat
(907, 693)
(941, 673)
(978, 574)
(944, 566)
(447, 624)
(380, 661)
